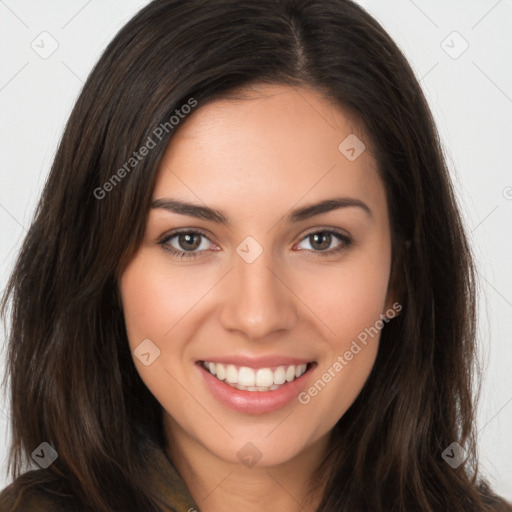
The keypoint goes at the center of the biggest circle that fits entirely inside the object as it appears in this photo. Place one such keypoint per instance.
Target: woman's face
(280, 269)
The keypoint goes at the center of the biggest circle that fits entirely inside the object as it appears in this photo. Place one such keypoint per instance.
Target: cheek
(154, 301)
(350, 300)
(349, 297)
(151, 308)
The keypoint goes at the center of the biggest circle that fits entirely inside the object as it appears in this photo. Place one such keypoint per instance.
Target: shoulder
(32, 500)
(492, 501)
(497, 504)
(31, 493)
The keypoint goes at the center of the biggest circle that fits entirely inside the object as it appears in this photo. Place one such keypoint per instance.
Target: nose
(258, 301)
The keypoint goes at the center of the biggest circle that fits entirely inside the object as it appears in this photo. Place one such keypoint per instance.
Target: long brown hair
(73, 382)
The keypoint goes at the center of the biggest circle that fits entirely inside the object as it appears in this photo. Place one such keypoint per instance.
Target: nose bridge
(257, 302)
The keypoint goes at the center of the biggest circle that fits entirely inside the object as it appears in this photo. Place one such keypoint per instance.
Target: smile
(251, 379)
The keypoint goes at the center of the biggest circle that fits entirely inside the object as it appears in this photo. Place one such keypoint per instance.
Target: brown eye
(325, 242)
(186, 244)
(320, 241)
(189, 241)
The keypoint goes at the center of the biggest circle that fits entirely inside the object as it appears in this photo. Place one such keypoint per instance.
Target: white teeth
(280, 376)
(220, 371)
(248, 379)
(264, 377)
(299, 370)
(231, 374)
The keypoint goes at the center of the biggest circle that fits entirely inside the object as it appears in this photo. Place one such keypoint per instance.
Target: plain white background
(459, 49)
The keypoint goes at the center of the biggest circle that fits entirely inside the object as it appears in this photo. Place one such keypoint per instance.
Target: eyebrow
(297, 215)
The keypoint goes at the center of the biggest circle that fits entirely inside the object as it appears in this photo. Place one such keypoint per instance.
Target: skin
(255, 158)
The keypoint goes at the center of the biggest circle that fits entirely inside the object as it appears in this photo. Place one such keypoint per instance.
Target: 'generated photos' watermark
(344, 359)
(151, 142)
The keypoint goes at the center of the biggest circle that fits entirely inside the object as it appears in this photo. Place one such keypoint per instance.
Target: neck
(217, 485)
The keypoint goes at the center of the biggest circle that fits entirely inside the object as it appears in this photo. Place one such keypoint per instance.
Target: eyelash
(344, 239)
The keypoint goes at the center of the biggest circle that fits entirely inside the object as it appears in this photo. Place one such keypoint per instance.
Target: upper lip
(258, 362)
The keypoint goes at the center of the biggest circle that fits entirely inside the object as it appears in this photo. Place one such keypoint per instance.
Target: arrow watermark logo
(351, 147)
(454, 45)
(454, 455)
(249, 455)
(44, 455)
(249, 249)
(146, 352)
(45, 45)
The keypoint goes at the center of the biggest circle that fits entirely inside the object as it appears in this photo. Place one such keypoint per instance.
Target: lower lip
(254, 402)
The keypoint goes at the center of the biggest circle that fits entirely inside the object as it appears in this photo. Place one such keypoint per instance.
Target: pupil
(317, 237)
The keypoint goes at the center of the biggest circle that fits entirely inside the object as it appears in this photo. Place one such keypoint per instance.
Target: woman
(247, 285)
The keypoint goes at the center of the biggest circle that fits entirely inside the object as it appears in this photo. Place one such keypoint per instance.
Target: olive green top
(168, 488)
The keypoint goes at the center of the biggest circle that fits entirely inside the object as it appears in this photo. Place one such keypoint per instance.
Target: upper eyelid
(337, 231)
(173, 233)
(169, 236)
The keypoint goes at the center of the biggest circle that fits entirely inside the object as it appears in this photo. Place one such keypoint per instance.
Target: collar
(167, 486)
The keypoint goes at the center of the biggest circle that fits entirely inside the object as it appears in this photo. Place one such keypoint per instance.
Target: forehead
(267, 145)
